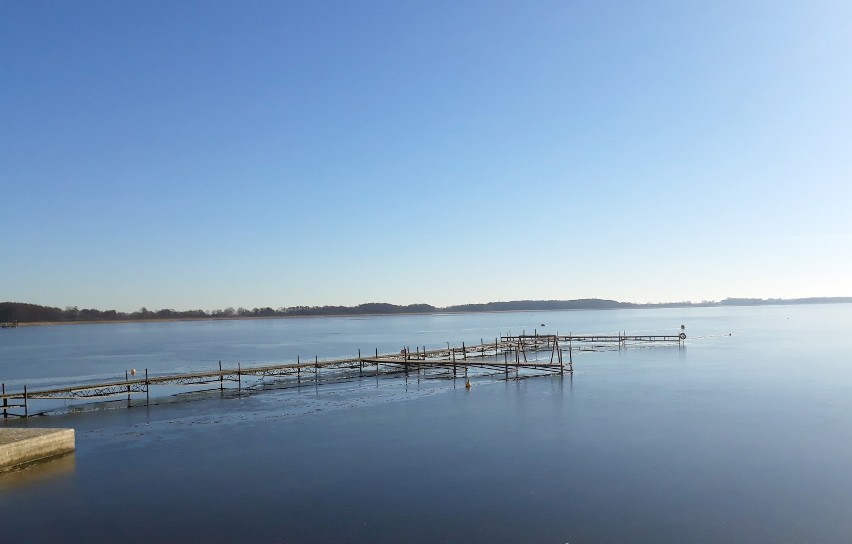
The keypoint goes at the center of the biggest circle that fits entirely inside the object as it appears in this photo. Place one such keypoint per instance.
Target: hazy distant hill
(770, 301)
(31, 313)
(579, 304)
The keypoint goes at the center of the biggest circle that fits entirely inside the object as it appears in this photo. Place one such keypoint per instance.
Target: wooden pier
(506, 354)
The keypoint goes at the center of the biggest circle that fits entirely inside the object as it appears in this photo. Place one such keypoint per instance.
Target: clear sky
(210, 154)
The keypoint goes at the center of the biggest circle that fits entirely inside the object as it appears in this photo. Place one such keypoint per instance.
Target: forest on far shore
(21, 312)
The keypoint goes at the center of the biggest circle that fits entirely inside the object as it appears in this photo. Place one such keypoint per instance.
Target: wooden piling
(559, 354)
(497, 357)
(147, 389)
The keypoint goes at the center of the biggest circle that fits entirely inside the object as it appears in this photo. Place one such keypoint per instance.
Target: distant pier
(507, 355)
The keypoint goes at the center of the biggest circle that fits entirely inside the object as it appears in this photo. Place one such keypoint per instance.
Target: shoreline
(322, 316)
(446, 312)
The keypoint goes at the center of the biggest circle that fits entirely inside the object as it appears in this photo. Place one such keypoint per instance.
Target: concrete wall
(18, 446)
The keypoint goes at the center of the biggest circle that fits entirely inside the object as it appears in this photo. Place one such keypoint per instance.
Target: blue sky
(212, 154)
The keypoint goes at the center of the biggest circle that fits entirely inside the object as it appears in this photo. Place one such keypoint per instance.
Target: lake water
(743, 435)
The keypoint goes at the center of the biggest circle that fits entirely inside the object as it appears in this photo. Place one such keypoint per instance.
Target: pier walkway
(506, 354)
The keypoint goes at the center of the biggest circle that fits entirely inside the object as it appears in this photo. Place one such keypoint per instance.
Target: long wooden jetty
(506, 354)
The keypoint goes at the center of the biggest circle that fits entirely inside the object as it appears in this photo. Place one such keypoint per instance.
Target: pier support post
(147, 389)
(127, 382)
(559, 354)
(239, 377)
(316, 368)
(464, 352)
(221, 378)
(360, 364)
(505, 360)
(26, 403)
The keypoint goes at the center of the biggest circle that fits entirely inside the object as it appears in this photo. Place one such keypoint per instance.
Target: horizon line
(451, 306)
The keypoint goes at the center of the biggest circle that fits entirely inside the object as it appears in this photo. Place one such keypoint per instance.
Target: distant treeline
(21, 312)
(31, 313)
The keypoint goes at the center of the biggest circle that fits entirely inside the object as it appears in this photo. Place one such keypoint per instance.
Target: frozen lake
(743, 435)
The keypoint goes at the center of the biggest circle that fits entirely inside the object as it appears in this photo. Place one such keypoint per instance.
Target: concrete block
(19, 446)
